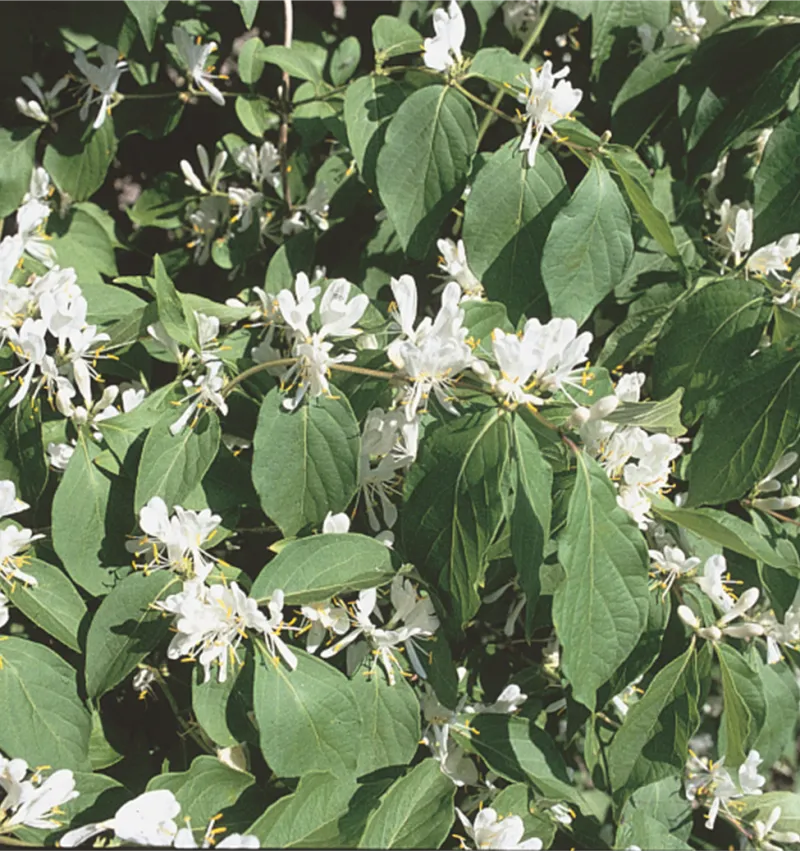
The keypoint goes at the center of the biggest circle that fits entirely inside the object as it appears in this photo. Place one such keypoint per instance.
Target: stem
(772, 513)
(283, 135)
(491, 107)
(254, 370)
(16, 843)
(523, 54)
(187, 728)
(362, 370)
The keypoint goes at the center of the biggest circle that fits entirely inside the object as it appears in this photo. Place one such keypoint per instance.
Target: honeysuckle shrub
(400, 424)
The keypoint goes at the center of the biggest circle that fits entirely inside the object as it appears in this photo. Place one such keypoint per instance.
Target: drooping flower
(204, 392)
(453, 262)
(443, 50)
(45, 101)
(211, 173)
(102, 81)
(33, 802)
(773, 259)
(735, 233)
(489, 830)
(546, 102)
(195, 55)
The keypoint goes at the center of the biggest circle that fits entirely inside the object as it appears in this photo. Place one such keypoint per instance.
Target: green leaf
(530, 522)
(305, 463)
(308, 818)
(392, 37)
(17, 153)
(250, 62)
(424, 164)
(605, 591)
(391, 718)
(369, 103)
(178, 320)
(780, 698)
(454, 508)
(89, 514)
(515, 748)
(52, 604)
(208, 788)
(222, 708)
(415, 812)
(642, 830)
(497, 65)
(777, 198)
(308, 719)
(293, 61)
(506, 221)
(609, 18)
(102, 753)
(125, 629)
(707, 339)
(311, 570)
(22, 458)
(744, 706)
(653, 740)
(173, 466)
(589, 246)
(147, 13)
(79, 157)
(729, 531)
(652, 218)
(660, 417)
(761, 806)
(747, 429)
(256, 116)
(295, 255)
(81, 242)
(345, 60)
(249, 10)
(663, 801)
(516, 800)
(47, 723)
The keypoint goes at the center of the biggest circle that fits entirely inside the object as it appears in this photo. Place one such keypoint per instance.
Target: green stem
(254, 370)
(523, 54)
(362, 370)
(187, 728)
(488, 106)
(16, 843)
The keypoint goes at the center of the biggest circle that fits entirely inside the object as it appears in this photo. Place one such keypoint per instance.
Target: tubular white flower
(773, 259)
(453, 262)
(735, 233)
(195, 55)
(492, 831)
(546, 101)
(102, 81)
(33, 802)
(203, 393)
(443, 50)
(670, 564)
(263, 164)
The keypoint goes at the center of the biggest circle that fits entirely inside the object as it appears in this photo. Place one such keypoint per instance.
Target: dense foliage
(399, 424)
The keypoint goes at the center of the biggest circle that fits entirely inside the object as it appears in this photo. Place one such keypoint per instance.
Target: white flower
(204, 393)
(247, 202)
(545, 103)
(101, 81)
(454, 763)
(9, 503)
(33, 802)
(29, 345)
(777, 633)
(176, 542)
(211, 173)
(296, 307)
(132, 394)
(765, 837)
(185, 838)
(709, 779)
(773, 259)
(315, 207)
(58, 455)
(670, 564)
(263, 164)
(45, 101)
(324, 618)
(4, 614)
(735, 233)
(32, 217)
(562, 814)
(148, 819)
(509, 701)
(444, 49)
(335, 523)
(492, 831)
(792, 291)
(210, 215)
(453, 262)
(686, 28)
(211, 622)
(713, 585)
(194, 56)
(13, 543)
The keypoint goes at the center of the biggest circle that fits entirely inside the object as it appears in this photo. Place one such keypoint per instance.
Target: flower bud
(603, 407)
(580, 416)
(710, 633)
(777, 503)
(688, 617)
(743, 630)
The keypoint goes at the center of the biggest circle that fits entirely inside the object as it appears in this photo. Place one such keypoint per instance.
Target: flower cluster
(31, 800)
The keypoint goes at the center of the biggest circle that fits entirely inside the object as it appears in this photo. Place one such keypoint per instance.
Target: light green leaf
(780, 697)
(642, 830)
(52, 604)
(423, 166)
(102, 753)
(249, 10)
(416, 811)
(706, 341)
(744, 706)
(305, 463)
(600, 610)
(663, 801)
(208, 788)
(222, 708)
(663, 416)
(256, 116)
(173, 466)
(609, 18)
(747, 429)
(454, 508)
(17, 152)
(392, 37)
(308, 719)
(81, 242)
(90, 517)
(312, 570)
(369, 103)
(250, 62)
(391, 718)
(654, 737)
(498, 65)
(46, 721)
(78, 157)
(344, 61)
(589, 246)
(295, 62)
(506, 221)
(308, 818)
(294, 256)
(516, 799)
(178, 320)
(761, 806)
(777, 198)
(652, 218)
(147, 13)
(125, 629)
